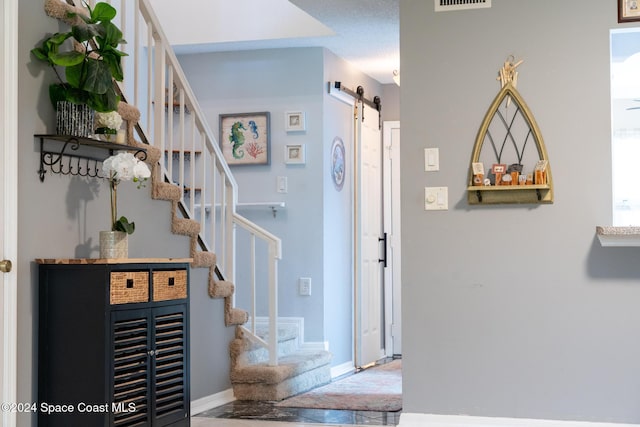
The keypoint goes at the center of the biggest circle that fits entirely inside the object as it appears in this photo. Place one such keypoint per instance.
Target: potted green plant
(91, 60)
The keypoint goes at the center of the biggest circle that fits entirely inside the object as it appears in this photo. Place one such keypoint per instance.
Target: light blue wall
(315, 226)
(514, 311)
(276, 81)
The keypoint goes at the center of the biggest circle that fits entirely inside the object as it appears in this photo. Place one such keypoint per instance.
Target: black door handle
(384, 250)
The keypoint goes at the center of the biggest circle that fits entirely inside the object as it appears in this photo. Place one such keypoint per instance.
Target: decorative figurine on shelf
(514, 170)
(541, 172)
(498, 169)
(478, 173)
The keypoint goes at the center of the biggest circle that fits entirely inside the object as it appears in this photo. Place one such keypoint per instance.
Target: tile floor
(264, 411)
(264, 414)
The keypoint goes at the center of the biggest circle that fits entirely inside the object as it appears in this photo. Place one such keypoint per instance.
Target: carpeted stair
(297, 370)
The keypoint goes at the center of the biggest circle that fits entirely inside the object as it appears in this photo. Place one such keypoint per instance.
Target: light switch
(436, 198)
(282, 184)
(431, 159)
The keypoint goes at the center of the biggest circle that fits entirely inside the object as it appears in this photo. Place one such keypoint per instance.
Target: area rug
(374, 389)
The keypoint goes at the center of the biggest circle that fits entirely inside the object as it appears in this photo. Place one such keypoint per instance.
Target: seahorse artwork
(237, 139)
(254, 129)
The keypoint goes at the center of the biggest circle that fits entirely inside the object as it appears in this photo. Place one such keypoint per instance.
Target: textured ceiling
(367, 32)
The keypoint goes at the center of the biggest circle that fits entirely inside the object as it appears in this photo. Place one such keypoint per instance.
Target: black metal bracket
(376, 103)
(79, 156)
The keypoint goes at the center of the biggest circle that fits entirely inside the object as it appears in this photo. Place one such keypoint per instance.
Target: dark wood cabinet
(113, 343)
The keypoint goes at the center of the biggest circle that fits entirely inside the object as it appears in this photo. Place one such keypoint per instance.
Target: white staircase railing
(172, 120)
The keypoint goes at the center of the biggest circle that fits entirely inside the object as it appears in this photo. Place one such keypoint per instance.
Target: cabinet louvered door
(170, 388)
(131, 370)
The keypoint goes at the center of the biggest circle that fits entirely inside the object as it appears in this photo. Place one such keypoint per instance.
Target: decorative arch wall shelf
(518, 173)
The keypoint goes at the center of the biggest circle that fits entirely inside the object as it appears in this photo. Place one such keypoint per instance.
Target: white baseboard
(430, 420)
(315, 346)
(211, 401)
(343, 369)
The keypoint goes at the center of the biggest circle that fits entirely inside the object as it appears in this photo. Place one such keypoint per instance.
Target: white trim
(392, 227)
(431, 420)
(295, 322)
(211, 401)
(9, 140)
(343, 369)
(315, 346)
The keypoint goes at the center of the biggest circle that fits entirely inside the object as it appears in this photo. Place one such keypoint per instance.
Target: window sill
(618, 236)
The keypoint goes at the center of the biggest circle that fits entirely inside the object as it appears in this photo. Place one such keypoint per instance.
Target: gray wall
(514, 311)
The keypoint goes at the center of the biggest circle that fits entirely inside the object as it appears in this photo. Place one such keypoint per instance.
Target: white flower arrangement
(108, 123)
(123, 167)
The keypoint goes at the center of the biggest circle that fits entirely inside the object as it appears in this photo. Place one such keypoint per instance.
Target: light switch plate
(431, 159)
(282, 184)
(436, 198)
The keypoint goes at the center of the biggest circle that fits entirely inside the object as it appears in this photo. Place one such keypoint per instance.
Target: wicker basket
(169, 285)
(129, 287)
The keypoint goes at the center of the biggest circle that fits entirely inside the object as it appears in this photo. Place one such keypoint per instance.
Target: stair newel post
(274, 255)
(252, 261)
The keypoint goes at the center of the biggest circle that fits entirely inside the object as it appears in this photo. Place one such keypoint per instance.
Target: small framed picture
(294, 154)
(499, 168)
(628, 10)
(294, 121)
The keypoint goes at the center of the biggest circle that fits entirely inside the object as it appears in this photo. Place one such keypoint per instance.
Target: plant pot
(114, 244)
(74, 119)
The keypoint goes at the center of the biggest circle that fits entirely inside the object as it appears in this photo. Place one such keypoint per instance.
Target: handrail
(171, 119)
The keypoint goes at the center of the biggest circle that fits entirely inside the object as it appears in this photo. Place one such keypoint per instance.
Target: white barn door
(369, 269)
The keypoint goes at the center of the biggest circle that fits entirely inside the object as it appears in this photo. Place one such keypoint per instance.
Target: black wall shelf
(78, 156)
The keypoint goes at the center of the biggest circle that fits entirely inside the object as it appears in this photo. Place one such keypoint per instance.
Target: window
(625, 125)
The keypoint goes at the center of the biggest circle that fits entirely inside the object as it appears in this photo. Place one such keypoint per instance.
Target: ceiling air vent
(448, 5)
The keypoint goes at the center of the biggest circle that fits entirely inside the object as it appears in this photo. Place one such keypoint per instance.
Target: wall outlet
(304, 286)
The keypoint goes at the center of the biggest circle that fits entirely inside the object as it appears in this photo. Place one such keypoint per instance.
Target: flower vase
(107, 137)
(114, 244)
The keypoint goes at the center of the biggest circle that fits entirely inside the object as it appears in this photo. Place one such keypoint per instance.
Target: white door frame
(392, 280)
(9, 203)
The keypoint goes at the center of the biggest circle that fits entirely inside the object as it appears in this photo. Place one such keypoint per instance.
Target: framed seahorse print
(244, 138)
